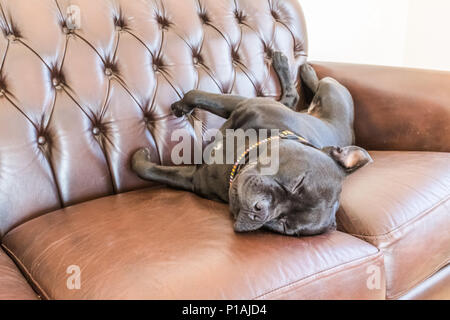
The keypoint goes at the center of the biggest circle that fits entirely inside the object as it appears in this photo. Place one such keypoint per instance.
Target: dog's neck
(285, 134)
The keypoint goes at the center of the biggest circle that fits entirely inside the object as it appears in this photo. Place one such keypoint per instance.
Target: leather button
(108, 72)
(11, 37)
(275, 15)
(2, 92)
(155, 68)
(119, 28)
(56, 83)
(234, 55)
(240, 17)
(195, 60)
(163, 22)
(42, 140)
(204, 17)
(95, 131)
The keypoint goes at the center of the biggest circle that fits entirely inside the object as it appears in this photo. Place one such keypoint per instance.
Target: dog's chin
(246, 225)
(233, 201)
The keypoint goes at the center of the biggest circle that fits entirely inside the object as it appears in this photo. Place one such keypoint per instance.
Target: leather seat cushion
(437, 287)
(163, 243)
(401, 204)
(13, 285)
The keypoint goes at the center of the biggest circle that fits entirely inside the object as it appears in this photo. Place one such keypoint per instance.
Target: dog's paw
(280, 61)
(139, 158)
(309, 77)
(180, 108)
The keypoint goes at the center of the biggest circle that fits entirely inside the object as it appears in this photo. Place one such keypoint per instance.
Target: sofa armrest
(396, 108)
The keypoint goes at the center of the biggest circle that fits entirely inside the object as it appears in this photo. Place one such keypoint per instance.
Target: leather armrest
(396, 108)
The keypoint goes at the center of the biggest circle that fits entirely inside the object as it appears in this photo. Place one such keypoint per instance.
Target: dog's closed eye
(281, 186)
(297, 188)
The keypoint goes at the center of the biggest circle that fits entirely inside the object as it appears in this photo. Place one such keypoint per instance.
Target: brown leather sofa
(76, 99)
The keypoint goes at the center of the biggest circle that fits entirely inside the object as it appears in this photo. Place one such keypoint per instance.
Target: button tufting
(260, 92)
(119, 20)
(96, 131)
(163, 22)
(11, 37)
(297, 47)
(157, 64)
(240, 16)
(204, 17)
(182, 46)
(275, 14)
(56, 83)
(147, 119)
(268, 51)
(68, 30)
(41, 140)
(234, 56)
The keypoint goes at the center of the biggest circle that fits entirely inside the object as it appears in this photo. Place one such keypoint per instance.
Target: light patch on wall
(397, 33)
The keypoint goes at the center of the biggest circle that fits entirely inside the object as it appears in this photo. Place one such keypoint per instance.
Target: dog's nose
(259, 211)
(258, 206)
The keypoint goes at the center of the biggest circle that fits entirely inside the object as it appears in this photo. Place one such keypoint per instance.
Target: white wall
(410, 33)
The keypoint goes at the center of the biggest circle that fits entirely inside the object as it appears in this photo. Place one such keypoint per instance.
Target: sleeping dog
(315, 154)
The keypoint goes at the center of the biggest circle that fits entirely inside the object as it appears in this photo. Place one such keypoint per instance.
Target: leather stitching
(325, 273)
(417, 282)
(34, 284)
(407, 223)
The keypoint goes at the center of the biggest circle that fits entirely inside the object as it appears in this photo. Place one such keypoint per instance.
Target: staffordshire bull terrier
(315, 149)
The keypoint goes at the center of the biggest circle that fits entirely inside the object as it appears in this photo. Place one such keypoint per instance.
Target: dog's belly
(265, 115)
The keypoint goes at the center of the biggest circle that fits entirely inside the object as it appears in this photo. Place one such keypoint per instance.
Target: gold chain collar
(285, 134)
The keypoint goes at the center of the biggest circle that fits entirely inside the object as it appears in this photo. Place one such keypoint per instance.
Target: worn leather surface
(396, 108)
(437, 287)
(168, 244)
(75, 103)
(13, 285)
(401, 204)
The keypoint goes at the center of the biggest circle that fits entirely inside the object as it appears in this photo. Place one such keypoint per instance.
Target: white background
(409, 33)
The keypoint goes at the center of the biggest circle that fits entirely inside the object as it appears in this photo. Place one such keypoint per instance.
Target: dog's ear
(349, 158)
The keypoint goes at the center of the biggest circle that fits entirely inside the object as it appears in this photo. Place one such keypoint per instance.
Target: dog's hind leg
(309, 77)
(289, 94)
(174, 176)
(219, 104)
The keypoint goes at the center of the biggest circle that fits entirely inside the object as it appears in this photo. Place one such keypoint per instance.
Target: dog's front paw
(180, 108)
(280, 61)
(139, 159)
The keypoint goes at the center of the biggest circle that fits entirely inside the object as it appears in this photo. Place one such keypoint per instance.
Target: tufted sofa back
(85, 83)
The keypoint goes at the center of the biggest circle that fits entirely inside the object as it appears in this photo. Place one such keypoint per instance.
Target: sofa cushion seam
(28, 275)
(363, 260)
(407, 223)
(417, 282)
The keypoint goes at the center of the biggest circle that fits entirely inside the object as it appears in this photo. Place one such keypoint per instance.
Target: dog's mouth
(233, 194)
(244, 222)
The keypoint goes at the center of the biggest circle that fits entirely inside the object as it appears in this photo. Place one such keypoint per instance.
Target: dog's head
(302, 197)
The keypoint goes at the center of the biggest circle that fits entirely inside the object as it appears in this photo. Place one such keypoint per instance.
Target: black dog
(315, 156)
